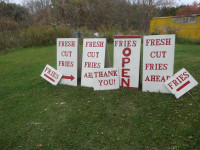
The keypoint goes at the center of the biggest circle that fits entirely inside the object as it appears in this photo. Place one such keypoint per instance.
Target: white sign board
(127, 59)
(67, 60)
(158, 62)
(94, 52)
(180, 83)
(51, 75)
(105, 79)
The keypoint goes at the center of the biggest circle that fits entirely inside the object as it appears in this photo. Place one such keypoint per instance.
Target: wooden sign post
(95, 55)
(68, 60)
(158, 62)
(51, 75)
(127, 59)
(180, 83)
(105, 79)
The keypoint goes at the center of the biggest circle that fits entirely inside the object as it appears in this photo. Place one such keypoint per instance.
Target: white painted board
(127, 59)
(51, 75)
(180, 83)
(94, 51)
(105, 79)
(67, 60)
(158, 62)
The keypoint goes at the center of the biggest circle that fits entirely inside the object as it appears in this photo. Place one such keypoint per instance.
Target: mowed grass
(37, 115)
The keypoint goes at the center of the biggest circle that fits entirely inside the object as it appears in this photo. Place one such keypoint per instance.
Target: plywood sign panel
(51, 75)
(127, 59)
(67, 60)
(158, 62)
(94, 51)
(105, 79)
(180, 83)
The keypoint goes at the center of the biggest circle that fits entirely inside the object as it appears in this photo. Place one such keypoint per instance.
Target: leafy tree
(189, 10)
(12, 16)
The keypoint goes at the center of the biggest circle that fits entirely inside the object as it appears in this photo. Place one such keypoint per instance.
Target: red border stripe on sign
(49, 78)
(126, 37)
(182, 86)
(135, 88)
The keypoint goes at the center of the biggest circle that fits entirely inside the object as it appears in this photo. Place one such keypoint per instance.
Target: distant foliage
(189, 10)
(12, 16)
(33, 36)
(39, 22)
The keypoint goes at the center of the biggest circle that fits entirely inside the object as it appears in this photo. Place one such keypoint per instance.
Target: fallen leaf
(39, 146)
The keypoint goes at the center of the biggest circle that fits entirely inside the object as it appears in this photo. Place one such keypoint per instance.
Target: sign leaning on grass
(158, 62)
(180, 83)
(127, 59)
(105, 79)
(68, 60)
(95, 55)
(51, 75)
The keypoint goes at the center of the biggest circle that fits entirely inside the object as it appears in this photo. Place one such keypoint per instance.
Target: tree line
(93, 14)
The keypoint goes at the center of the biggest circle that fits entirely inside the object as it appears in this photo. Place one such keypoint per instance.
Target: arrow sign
(68, 60)
(68, 77)
(51, 75)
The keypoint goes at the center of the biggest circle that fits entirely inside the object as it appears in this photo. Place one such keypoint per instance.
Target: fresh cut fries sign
(158, 62)
(94, 57)
(68, 58)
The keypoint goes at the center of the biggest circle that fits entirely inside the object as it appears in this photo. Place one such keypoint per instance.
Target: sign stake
(190, 95)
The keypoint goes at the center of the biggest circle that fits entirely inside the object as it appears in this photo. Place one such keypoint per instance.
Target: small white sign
(105, 79)
(94, 56)
(127, 59)
(158, 62)
(67, 60)
(180, 83)
(51, 75)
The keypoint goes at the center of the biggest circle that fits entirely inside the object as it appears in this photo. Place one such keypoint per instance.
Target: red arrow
(68, 77)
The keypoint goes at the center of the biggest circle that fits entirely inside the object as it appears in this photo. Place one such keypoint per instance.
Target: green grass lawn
(32, 115)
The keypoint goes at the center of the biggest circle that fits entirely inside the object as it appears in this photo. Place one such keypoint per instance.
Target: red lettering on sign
(157, 42)
(158, 54)
(66, 53)
(66, 43)
(66, 63)
(92, 65)
(156, 66)
(93, 54)
(157, 78)
(127, 52)
(107, 82)
(95, 44)
(174, 83)
(88, 75)
(126, 82)
(51, 74)
(125, 43)
(125, 73)
(105, 74)
(125, 60)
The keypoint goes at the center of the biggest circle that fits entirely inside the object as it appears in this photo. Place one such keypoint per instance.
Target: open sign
(127, 59)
